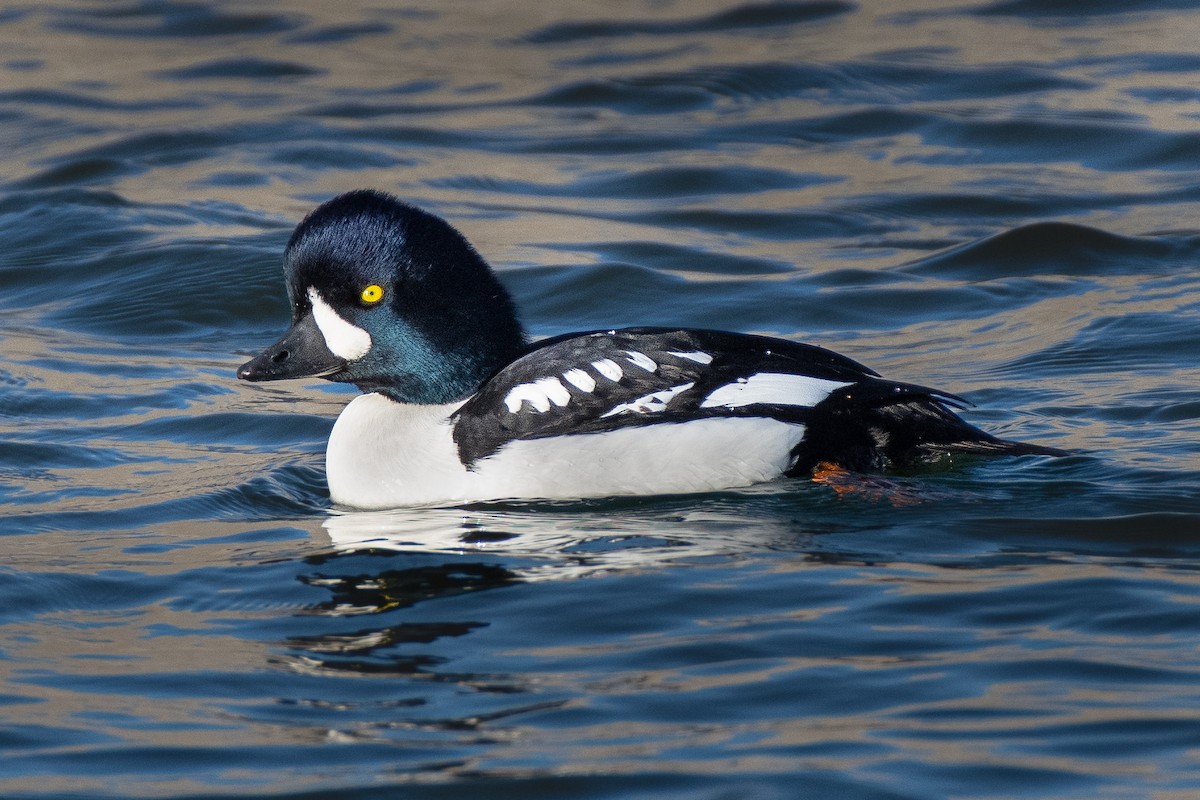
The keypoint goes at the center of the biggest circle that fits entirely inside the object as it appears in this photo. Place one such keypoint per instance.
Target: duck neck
(454, 374)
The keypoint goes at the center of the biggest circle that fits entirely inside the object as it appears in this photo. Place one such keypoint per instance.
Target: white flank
(608, 368)
(650, 403)
(580, 380)
(540, 395)
(641, 360)
(697, 356)
(343, 339)
(384, 454)
(774, 388)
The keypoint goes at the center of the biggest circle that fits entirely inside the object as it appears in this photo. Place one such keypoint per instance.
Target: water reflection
(376, 584)
(560, 541)
(386, 561)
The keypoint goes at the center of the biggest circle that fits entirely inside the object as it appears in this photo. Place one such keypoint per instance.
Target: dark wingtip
(996, 447)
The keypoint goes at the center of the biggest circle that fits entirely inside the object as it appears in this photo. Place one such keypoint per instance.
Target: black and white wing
(605, 380)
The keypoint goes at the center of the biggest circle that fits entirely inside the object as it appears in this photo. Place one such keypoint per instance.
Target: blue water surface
(995, 198)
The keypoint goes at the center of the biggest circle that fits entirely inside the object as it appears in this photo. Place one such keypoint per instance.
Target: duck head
(392, 299)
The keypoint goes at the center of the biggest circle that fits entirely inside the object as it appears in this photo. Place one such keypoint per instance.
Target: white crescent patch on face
(343, 339)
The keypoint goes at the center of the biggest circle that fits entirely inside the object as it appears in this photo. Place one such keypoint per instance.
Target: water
(995, 198)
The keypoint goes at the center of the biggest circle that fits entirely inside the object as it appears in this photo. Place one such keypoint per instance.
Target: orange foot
(870, 487)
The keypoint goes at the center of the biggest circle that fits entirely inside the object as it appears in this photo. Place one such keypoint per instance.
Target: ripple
(1082, 140)
(1139, 341)
(630, 96)
(243, 68)
(682, 258)
(59, 99)
(336, 34)
(749, 15)
(1058, 248)
(651, 183)
(167, 18)
(108, 279)
(1067, 10)
(292, 491)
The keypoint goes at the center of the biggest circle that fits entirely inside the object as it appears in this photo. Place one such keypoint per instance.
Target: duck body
(459, 408)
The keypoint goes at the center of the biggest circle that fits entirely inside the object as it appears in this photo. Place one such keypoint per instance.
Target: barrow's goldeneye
(459, 407)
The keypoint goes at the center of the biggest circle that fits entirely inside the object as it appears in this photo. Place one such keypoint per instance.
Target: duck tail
(881, 426)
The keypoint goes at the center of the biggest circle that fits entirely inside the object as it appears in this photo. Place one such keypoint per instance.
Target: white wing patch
(773, 388)
(580, 380)
(540, 394)
(608, 368)
(649, 404)
(641, 360)
(695, 355)
(343, 339)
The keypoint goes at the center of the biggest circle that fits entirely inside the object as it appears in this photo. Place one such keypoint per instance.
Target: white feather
(342, 338)
(608, 368)
(695, 355)
(774, 388)
(540, 394)
(655, 401)
(580, 380)
(641, 360)
(555, 392)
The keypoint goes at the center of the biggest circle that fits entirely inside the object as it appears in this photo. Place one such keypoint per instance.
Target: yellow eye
(372, 294)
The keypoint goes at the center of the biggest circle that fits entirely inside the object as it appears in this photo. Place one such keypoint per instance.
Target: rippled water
(996, 198)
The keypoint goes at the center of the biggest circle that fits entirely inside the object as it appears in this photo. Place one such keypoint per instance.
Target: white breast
(384, 454)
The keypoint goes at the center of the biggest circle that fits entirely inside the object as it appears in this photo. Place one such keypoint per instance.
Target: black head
(393, 299)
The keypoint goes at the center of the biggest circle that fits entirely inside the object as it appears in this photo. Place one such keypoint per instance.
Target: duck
(459, 406)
